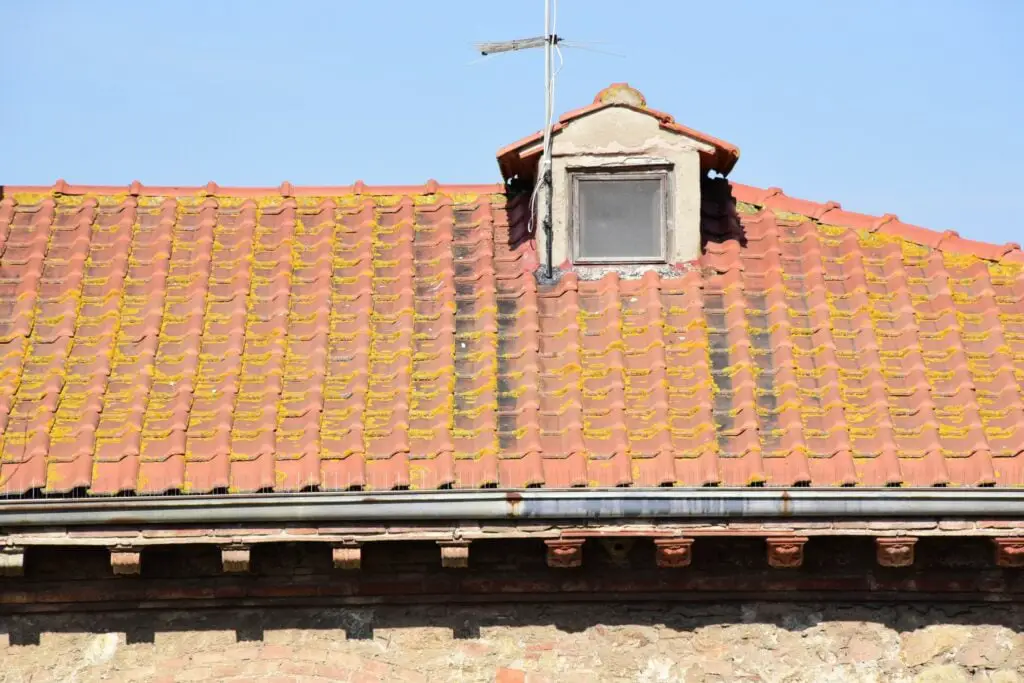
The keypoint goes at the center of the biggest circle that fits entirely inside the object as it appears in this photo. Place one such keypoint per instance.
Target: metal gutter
(534, 504)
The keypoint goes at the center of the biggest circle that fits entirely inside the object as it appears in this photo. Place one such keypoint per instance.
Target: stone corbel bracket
(673, 552)
(12, 561)
(347, 556)
(1009, 552)
(564, 553)
(454, 554)
(235, 559)
(785, 552)
(895, 551)
(126, 561)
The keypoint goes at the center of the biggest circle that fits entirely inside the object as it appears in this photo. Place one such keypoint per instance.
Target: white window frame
(591, 175)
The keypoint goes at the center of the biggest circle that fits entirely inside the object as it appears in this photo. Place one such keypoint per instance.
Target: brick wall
(562, 643)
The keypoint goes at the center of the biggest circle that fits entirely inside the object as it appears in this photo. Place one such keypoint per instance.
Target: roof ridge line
(832, 213)
(285, 189)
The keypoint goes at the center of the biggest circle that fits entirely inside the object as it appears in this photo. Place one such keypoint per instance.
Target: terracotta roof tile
(163, 340)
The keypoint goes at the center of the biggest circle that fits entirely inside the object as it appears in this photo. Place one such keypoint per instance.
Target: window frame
(660, 173)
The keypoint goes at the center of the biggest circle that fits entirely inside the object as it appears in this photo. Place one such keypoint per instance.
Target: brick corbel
(1009, 551)
(235, 559)
(125, 561)
(786, 552)
(348, 556)
(895, 551)
(12, 561)
(673, 552)
(565, 553)
(454, 554)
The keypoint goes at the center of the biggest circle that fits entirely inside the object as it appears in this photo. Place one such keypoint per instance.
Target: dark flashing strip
(555, 505)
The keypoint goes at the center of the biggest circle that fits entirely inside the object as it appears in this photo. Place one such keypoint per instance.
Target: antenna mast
(550, 9)
(549, 41)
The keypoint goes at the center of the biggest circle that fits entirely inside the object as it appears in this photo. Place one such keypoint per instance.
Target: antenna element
(549, 41)
(488, 49)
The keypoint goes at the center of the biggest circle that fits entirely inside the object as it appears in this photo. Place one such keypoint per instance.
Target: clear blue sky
(913, 107)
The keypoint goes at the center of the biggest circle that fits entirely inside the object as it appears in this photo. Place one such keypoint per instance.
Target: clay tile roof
(159, 339)
(521, 156)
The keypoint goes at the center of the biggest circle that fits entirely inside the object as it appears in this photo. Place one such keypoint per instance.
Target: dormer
(626, 183)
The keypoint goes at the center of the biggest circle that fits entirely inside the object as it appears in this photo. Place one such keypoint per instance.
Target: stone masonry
(554, 643)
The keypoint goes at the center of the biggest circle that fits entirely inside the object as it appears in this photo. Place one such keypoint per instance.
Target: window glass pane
(620, 219)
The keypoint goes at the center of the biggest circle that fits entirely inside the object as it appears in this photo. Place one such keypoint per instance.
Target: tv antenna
(551, 42)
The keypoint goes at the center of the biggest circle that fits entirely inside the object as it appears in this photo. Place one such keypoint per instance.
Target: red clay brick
(210, 658)
(889, 524)
(276, 652)
(375, 667)
(244, 652)
(355, 531)
(225, 669)
(246, 668)
(112, 532)
(406, 676)
(140, 673)
(510, 676)
(332, 672)
(366, 677)
(175, 533)
(175, 663)
(298, 668)
(344, 660)
(312, 654)
(474, 649)
(746, 526)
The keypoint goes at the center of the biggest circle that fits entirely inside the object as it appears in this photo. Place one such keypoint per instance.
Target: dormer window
(620, 216)
(625, 187)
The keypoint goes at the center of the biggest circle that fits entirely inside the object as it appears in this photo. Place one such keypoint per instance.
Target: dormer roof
(520, 157)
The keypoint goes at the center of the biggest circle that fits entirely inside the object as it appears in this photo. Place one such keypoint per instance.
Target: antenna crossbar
(542, 189)
(514, 45)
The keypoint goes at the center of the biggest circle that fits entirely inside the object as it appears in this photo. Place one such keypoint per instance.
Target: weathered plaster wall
(550, 643)
(617, 137)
